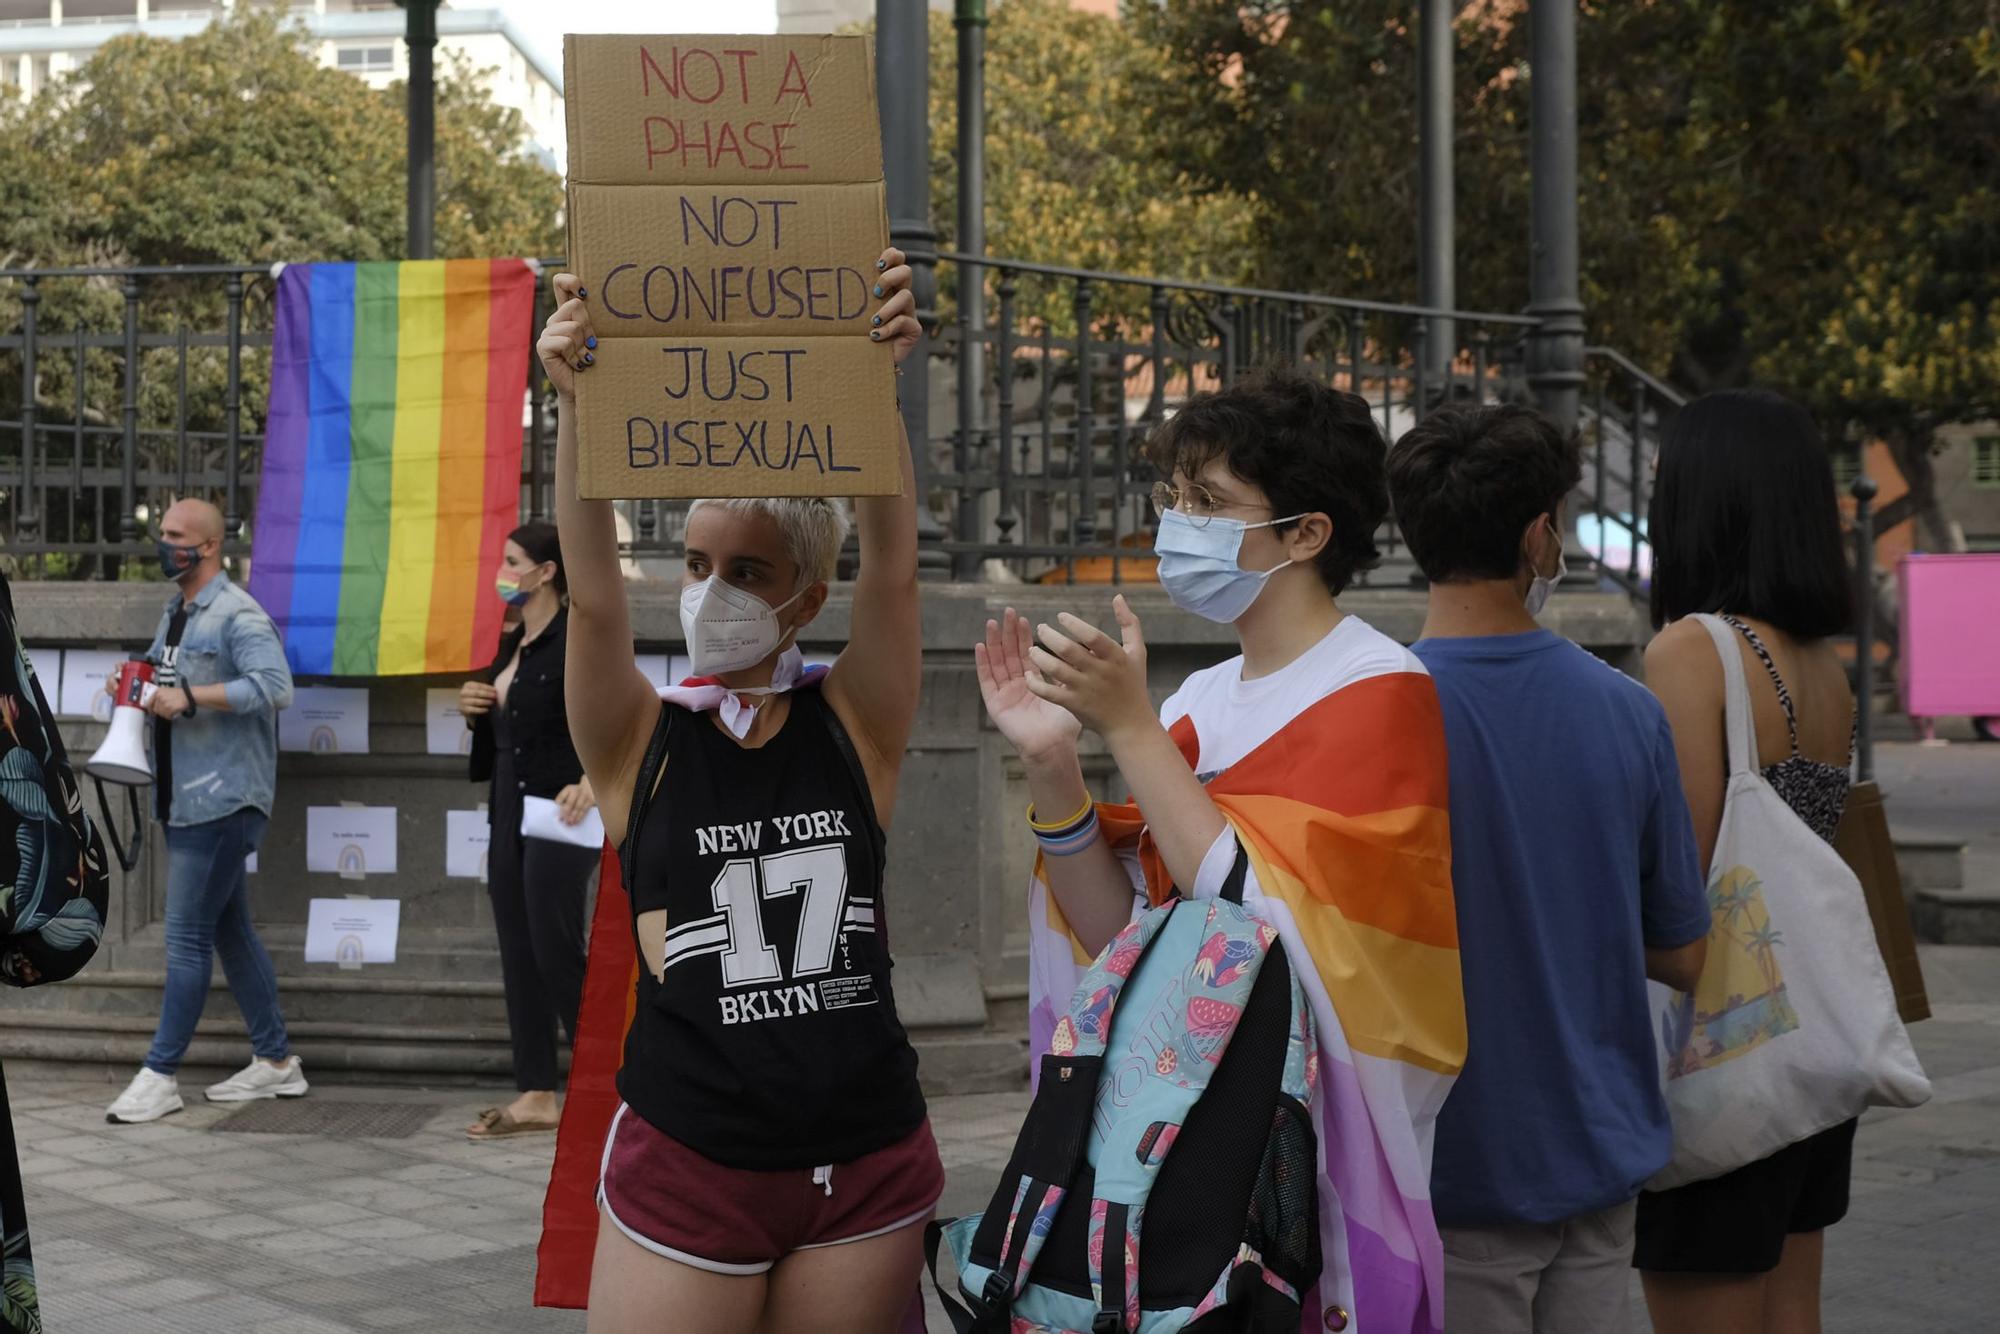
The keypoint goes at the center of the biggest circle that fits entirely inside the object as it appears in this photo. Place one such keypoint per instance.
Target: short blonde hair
(813, 528)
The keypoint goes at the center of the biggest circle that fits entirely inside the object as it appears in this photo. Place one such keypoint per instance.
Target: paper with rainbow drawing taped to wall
(353, 931)
(325, 720)
(351, 841)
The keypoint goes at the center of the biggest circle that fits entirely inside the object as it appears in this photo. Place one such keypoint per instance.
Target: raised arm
(1089, 883)
(874, 683)
(610, 703)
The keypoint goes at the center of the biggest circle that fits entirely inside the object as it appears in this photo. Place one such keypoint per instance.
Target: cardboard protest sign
(725, 212)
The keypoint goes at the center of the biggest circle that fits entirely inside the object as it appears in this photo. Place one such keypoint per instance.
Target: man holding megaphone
(218, 681)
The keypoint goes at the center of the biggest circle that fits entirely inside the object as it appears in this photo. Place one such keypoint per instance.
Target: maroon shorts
(676, 1203)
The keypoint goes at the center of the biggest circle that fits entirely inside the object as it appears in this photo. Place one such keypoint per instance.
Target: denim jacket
(224, 761)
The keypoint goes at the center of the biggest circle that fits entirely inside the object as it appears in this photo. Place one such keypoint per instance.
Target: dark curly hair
(1469, 480)
(1308, 447)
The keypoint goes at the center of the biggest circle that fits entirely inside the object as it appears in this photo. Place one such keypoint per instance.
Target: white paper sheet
(83, 673)
(539, 819)
(47, 665)
(326, 720)
(466, 834)
(351, 840)
(352, 932)
(445, 732)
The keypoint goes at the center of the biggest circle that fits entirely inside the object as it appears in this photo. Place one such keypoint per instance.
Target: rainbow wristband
(1069, 842)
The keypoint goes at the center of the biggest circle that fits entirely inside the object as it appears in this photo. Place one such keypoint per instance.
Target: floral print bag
(54, 886)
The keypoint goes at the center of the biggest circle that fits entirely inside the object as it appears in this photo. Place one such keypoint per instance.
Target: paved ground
(1950, 791)
(187, 1226)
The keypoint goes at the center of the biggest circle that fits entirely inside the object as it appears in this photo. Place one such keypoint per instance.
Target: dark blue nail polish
(881, 264)
(878, 319)
(875, 334)
(580, 294)
(878, 289)
(590, 341)
(589, 358)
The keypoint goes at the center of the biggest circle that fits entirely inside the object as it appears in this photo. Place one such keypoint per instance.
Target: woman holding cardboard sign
(772, 1166)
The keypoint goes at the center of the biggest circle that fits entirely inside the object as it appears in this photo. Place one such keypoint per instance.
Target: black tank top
(772, 1040)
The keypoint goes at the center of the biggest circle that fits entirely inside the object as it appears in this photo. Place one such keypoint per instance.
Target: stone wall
(959, 858)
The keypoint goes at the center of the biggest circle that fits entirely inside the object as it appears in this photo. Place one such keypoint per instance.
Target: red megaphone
(122, 758)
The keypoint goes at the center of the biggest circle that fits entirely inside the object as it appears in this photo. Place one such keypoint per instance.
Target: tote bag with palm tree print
(1792, 1028)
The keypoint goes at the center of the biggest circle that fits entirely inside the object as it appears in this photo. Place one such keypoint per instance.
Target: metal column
(970, 20)
(420, 33)
(1863, 492)
(902, 91)
(1436, 259)
(1555, 348)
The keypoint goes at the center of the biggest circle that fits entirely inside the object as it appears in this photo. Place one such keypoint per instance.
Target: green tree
(1074, 175)
(234, 145)
(1797, 193)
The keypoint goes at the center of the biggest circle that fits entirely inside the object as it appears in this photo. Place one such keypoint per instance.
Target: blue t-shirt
(1572, 853)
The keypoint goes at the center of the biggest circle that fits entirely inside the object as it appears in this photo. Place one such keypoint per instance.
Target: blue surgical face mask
(1545, 584)
(1198, 565)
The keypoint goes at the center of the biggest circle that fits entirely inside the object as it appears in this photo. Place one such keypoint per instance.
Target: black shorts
(1737, 1223)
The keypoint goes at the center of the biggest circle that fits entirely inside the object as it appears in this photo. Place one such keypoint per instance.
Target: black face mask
(177, 561)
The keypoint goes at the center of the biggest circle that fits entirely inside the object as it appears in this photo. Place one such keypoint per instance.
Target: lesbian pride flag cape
(392, 462)
(1343, 812)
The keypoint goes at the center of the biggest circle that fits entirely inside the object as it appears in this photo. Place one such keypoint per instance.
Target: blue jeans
(208, 913)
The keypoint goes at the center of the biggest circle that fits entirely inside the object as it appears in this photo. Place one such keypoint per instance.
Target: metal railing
(121, 389)
(1043, 472)
(1624, 409)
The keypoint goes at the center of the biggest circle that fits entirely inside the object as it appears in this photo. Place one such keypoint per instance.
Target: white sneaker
(148, 1097)
(261, 1079)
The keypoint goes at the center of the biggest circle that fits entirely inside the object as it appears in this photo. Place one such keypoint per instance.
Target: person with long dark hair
(521, 748)
(1745, 527)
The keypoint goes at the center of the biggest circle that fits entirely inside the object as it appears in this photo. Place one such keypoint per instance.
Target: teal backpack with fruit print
(1166, 1178)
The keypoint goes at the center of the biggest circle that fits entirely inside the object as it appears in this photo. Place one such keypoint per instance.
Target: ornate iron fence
(123, 388)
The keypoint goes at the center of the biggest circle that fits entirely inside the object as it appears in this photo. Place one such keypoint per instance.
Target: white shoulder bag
(1793, 1026)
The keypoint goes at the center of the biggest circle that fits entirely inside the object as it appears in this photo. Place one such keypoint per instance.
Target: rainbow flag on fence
(392, 462)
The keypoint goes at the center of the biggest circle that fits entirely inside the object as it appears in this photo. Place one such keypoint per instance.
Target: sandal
(495, 1123)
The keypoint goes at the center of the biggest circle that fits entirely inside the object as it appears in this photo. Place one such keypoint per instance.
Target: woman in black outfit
(1745, 526)
(520, 742)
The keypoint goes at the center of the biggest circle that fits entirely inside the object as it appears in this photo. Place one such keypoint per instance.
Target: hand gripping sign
(725, 211)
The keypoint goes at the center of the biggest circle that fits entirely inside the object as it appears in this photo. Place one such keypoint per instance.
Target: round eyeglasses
(1196, 502)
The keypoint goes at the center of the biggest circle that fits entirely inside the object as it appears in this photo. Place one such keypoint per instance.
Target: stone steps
(449, 1031)
(1956, 916)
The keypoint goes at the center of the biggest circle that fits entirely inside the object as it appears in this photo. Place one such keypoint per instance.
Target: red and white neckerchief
(702, 694)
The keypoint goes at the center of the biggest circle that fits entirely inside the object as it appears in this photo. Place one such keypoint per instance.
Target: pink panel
(1950, 612)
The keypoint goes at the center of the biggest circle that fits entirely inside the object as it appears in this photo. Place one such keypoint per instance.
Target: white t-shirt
(1232, 716)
